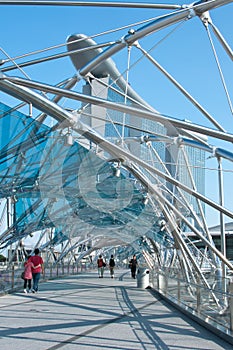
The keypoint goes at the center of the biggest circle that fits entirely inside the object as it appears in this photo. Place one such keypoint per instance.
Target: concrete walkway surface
(84, 312)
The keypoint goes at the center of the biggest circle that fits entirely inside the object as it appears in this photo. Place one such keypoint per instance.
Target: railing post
(178, 286)
(198, 291)
(158, 280)
(162, 283)
(231, 303)
(13, 276)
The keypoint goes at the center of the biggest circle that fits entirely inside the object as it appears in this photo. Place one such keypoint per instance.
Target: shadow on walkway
(85, 312)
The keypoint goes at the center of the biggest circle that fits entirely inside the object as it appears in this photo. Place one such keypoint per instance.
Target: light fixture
(131, 31)
(145, 200)
(69, 141)
(162, 225)
(36, 183)
(117, 172)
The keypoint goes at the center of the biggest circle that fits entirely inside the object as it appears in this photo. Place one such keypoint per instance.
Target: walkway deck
(84, 312)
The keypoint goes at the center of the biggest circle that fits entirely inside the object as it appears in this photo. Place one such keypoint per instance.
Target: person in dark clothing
(133, 266)
(101, 265)
(111, 266)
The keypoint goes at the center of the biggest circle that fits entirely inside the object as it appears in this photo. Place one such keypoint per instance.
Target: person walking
(28, 265)
(133, 266)
(111, 266)
(38, 263)
(101, 265)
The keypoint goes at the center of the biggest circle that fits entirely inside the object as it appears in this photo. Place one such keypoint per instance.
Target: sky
(184, 50)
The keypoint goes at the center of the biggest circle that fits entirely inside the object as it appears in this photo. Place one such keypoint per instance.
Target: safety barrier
(210, 305)
(10, 278)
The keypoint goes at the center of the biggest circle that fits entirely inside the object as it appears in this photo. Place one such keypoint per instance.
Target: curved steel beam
(133, 5)
(83, 49)
(117, 152)
(203, 5)
(134, 36)
(187, 12)
(222, 41)
(164, 200)
(181, 88)
(42, 103)
(49, 58)
(8, 87)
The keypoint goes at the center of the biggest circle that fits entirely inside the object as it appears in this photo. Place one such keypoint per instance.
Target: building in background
(183, 162)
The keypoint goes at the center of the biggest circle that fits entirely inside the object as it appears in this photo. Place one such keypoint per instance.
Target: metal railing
(210, 305)
(10, 279)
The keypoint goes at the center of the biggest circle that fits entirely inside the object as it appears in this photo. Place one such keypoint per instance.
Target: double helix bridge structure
(89, 166)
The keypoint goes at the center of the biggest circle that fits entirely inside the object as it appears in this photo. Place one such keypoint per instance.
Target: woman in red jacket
(37, 269)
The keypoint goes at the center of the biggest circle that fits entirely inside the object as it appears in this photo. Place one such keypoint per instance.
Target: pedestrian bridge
(84, 312)
(88, 167)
